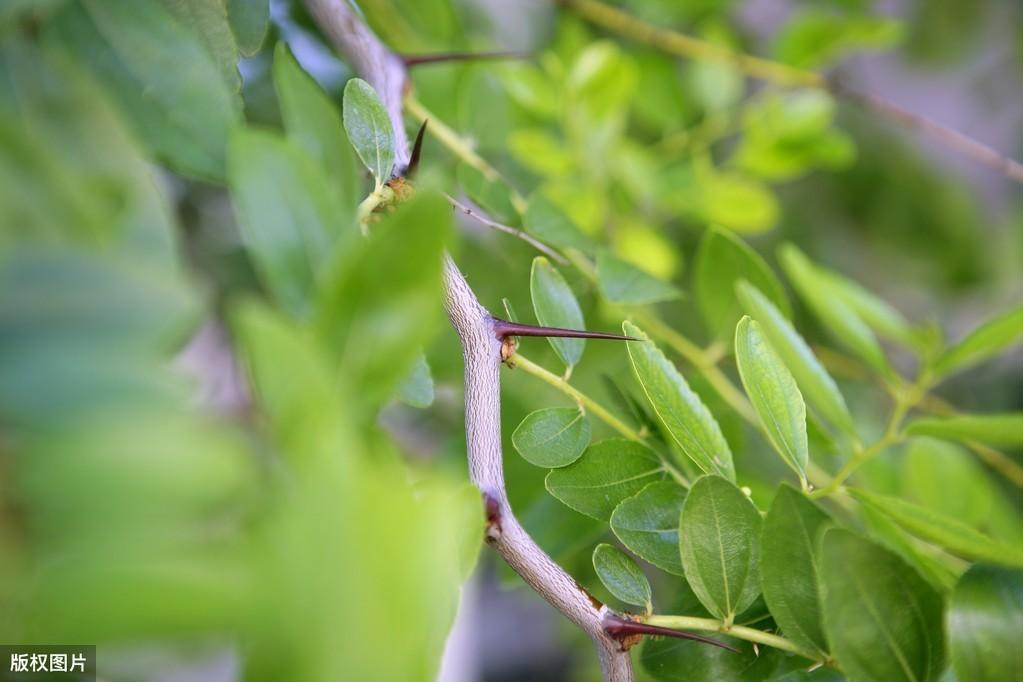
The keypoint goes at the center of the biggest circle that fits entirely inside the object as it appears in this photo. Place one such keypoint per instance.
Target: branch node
(492, 510)
(628, 629)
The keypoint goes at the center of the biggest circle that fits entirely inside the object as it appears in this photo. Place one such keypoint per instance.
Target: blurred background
(192, 480)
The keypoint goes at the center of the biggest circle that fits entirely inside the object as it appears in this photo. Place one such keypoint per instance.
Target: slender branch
(508, 229)
(778, 73)
(737, 631)
(482, 353)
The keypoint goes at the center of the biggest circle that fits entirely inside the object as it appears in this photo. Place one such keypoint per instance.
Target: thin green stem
(738, 631)
(459, 146)
(692, 48)
(592, 406)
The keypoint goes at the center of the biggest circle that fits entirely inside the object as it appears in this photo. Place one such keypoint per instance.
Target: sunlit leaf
(607, 473)
(984, 342)
(719, 538)
(555, 306)
(774, 394)
(943, 530)
(788, 567)
(647, 523)
(985, 624)
(369, 128)
(995, 429)
(621, 576)
(687, 419)
(552, 437)
(883, 621)
(815, 383)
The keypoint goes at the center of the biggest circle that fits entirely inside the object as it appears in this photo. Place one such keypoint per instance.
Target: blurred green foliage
(175, 166)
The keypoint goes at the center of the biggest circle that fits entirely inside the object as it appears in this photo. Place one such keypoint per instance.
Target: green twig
(738, 631)
(592, 406)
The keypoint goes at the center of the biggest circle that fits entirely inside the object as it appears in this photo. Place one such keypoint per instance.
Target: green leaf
(687, 419)
(250, 20)
(943, 530)
(985, 625)
(607, 473)
(774, 395)
(548, 223)
(885, 531)
(814, 37)
(876, 313)
(676, 660)
(883, 621)
(995, 429)
(554, 437)
(208, 21)
(837, 316)
(555, 306)
(417, 388)
(814, 382)
(719, 538)
(164, 80)
(369, 128)
(621, 576)
(647, 523)
(313, 123)
(788, 567)
(289, 218)
(622, 282)
(722, 260)
(382, 292)
(984, 342)
(540, 152)
(737, 202)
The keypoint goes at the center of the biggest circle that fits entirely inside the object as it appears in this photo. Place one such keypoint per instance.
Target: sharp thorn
(619, 627)
(503, 328)
(412, 60)
(417, 149)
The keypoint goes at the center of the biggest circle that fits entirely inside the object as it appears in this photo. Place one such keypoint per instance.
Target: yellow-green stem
(692, 48)
(459, 146)
(592, 406)
(738, 631)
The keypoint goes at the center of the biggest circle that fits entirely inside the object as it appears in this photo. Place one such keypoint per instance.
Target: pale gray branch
(481, 350)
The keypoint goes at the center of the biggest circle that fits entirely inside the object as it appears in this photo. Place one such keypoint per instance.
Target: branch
(685, 46)
(508, 229)
(481, 350)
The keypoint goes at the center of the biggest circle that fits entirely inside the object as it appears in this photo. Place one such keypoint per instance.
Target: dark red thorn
(417, 149)
(411, 60)
(620, 628)
(503, 329)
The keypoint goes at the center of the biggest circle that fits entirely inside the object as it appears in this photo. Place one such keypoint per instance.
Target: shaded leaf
(548, 223)
(837, 316)
(943, 530)
(313, 123)
(687, 419)
(607, 473)
(679, 660)
(721, 261)
(788, 566)
(647, 523)
(719, 538)
(417, 388)
(208, 21)
(774, 395)
(815, 383)
(555, 306)
(883, 621)
(621, 576)
(553, 437)
(250, 20)
(985, 624)
(369, 128)
(287, 214)
(622, 282)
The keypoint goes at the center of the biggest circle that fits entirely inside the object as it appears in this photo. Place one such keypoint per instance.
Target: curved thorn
(503, 328)
(417, 149)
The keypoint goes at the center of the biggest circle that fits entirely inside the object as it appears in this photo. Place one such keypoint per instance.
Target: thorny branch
(483, 338)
